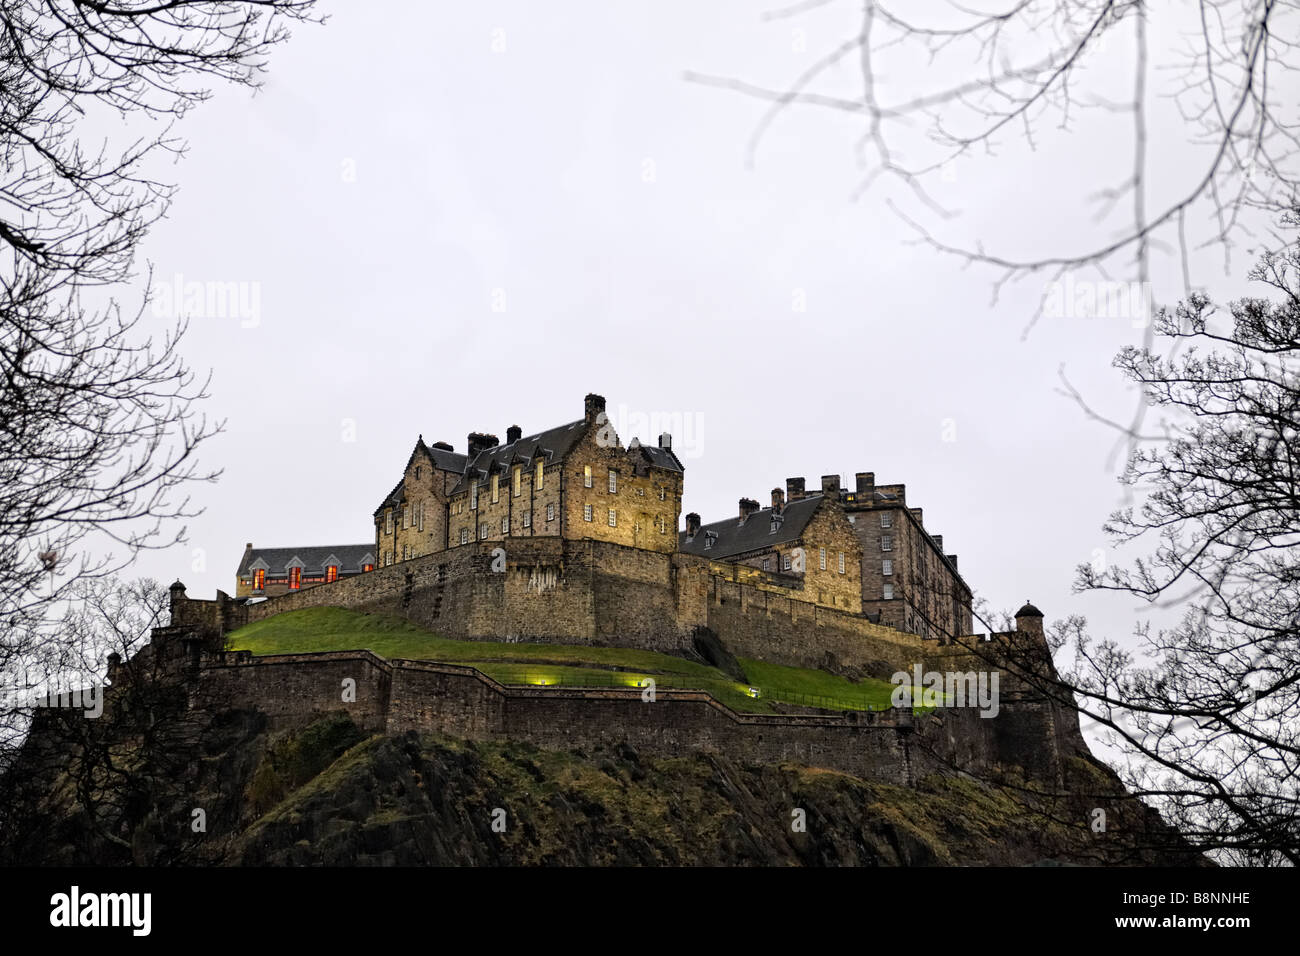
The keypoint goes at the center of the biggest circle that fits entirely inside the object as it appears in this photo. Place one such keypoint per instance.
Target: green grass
(332, 629)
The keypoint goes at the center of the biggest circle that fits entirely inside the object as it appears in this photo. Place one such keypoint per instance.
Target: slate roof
(755, 534)
(440, 458)
(350, 557)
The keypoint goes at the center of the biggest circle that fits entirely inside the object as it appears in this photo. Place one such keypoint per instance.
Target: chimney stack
(794, 489)
(444, 445)
(479, 441)
(692, 525)
(831, 486)
(593, 405)
(747, 507)
(866, 486)
(938, 542)
(665, 441)
(952, 559)
(778, 501)
(916, 513)
(513, 434)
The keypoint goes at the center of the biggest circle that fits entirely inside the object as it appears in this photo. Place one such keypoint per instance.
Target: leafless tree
(942, 83)
(99, 416)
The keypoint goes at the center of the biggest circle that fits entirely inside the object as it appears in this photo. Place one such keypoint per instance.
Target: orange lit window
(332, 573)
(367, 567)
(259, 579)
(295, 578)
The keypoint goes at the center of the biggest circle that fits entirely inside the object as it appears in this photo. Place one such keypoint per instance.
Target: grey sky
(397, 178)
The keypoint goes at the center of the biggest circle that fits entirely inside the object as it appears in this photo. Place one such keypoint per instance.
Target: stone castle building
(862, 552)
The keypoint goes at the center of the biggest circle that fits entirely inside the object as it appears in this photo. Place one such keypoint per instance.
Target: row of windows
(295, 578)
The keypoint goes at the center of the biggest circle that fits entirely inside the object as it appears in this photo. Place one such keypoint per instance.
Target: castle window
(821, 557)
(388, 521)
(586, 512)
(464, 535)
(482, 532)
(709, 538)
(473, 494)
(505, 525)
(295, 578)
(841, 562)
(886, 566)
(516, 482)
(528, 519)
(887, 591)
(767, 564)
(785, 562)
(550, 512)
(259, 579)
(367, 567)
(496, 488)
(406, 516)
(537, 482)
(886, 519)
(586, 476)
(886, 542)
(331, 573)
(417, 472)
(613, 518)
(663, 494)
(613, 482)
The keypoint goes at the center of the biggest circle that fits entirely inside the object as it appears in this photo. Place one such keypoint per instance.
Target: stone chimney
(831, 486)
(665, 441)
(747, 507)
(916, 513)
(479, 441)
(778, 501)
(692, 525)
(593, 405)
(513, 434)
(952, 559)
(794, 489)
(865, 486)
(938, 542)
(445, 446)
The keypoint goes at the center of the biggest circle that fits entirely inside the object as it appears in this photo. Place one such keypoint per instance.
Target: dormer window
(709, 538)
(259, 579)
(516, 481)
(496, 489)
(537, 481)
(295, 578)
(776, 523)
(331, 573)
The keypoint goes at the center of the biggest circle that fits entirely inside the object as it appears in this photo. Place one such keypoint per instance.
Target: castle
(568, 536)
(863, 552)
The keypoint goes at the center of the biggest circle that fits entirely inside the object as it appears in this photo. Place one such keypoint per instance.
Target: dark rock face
(329, 794)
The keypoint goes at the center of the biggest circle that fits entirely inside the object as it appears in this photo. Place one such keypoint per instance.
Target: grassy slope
(331, 629)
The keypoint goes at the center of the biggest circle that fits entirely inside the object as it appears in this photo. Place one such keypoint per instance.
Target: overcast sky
(460, 217)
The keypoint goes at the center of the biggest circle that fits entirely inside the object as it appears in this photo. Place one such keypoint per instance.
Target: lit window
(886, 519)
(550, 512)
(537, 482)
(473, 494)
(295, 578)
(613, 518)
(887, 566)
(259, 579)
(464, 535)
(367, 567)
(586, 512)
(331, 573)
(886, 542)
(887, 591)
(528, 519)
(821, 557)
(496, 488)
(516, 480)
(586, 476)
(841, 562)
(613, 482)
